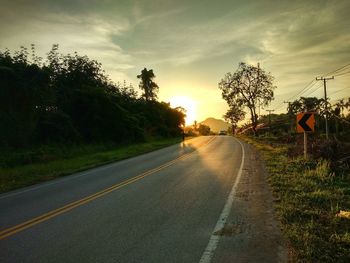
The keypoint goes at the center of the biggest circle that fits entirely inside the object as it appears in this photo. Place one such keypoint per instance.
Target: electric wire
(337, 91)
(337, 72)
(341, 74)
(313, 91)
(305, 88)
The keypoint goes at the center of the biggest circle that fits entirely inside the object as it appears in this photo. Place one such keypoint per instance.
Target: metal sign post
(305, 145)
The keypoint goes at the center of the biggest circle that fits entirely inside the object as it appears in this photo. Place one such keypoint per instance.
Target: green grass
(308, 196)
(19, 169)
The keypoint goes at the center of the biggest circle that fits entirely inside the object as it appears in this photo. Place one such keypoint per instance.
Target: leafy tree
(149, 87)
(245, 87)
(305, 104)
(337, 112)
(23, 94)
(342, 105)
(69, 99)
(233, 116)
(203, 129)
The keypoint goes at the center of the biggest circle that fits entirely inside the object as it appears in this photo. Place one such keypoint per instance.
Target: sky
(191, 45)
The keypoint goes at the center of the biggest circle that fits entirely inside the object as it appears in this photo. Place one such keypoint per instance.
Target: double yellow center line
(44, 217)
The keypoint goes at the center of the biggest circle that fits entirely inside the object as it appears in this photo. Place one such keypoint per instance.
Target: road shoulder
(252, 232)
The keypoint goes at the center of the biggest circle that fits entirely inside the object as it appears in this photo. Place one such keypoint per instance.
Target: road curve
(157, 207)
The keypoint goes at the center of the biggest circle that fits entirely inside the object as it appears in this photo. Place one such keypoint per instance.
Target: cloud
(195, 41)
(86, 34)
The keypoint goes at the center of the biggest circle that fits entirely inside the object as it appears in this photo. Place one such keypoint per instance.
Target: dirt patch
(231, 229)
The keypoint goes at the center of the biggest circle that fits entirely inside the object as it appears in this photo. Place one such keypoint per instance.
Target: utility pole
(292, 120)
(259, 85)
(270, 118)
(326, 101)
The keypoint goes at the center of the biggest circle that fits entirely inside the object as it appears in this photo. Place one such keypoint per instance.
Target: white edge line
(214, 239)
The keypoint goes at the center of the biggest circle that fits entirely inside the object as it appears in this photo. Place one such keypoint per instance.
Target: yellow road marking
(44, 217)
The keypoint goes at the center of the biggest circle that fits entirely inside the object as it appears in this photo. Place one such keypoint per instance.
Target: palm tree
(149, 87)
(342, 105)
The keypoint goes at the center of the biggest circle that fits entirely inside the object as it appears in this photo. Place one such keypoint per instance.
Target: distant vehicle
(222, 133)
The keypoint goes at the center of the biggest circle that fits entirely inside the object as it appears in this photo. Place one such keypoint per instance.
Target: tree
(233, 116)
(245, 87)
(69, 99)
(24, 93)
(305, 104)
(195, 125)
(203, 129)
(342, 105)
(149, 87)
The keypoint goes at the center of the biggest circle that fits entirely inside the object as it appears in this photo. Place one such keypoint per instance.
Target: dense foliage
(69, 99)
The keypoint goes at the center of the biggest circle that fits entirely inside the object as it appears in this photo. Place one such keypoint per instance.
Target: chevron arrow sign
(305, 122)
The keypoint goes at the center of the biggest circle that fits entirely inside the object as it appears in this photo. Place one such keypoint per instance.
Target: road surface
(203, 200)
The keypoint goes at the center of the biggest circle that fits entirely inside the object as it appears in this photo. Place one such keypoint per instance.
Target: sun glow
(188, 104)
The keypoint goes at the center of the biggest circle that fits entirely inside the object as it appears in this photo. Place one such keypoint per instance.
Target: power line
(341, 74)
(311, 84)
(337, 91)
(340, 118)
(313, 91)
(307, 87)
(339, 69)
(281, 105)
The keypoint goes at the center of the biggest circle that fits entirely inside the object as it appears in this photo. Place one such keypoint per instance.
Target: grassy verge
(309, 195)
(30, 167)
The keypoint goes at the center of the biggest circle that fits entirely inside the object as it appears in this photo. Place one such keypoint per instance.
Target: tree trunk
(233, 129)
(252, 115)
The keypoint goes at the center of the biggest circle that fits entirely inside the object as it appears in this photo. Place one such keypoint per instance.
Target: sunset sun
(188, 104)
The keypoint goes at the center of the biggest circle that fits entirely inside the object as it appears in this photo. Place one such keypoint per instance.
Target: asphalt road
(158, 207)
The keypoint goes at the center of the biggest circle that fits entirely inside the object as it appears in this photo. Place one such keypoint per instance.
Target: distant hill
(216, 125)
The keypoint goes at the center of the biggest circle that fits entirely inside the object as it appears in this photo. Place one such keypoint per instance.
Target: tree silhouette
(149, 87)
(233, 116)
(245, 87)
(203, 129)
(69, 99)
(342, 105)
(305, 104)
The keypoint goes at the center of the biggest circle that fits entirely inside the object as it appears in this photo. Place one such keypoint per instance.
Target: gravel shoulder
(252, 232)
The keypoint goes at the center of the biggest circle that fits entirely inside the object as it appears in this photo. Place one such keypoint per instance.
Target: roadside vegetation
(63, 113)
(197, 130)
(310, 197)
(23, 168)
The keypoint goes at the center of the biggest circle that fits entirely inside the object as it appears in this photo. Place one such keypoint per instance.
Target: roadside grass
(19, 169)
(308, 196)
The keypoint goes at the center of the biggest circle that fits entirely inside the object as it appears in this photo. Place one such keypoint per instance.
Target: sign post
(305, 145)
(305, 124)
